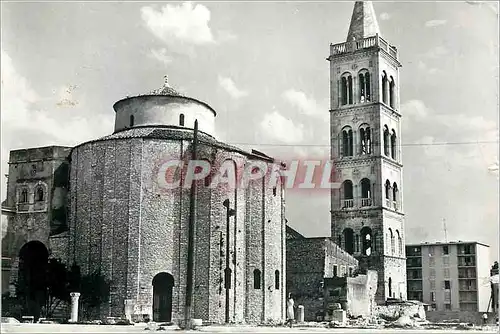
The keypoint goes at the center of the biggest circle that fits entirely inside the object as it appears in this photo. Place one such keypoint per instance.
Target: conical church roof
(363, 21)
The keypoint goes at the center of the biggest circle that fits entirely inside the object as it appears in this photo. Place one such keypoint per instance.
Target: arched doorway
(163, 284)
(33, 259)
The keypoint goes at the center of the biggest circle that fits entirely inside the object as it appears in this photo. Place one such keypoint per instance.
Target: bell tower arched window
(347, 194)
(395, 193)
(39, 194)
(384, 87)
(347, 142)
(386, 141)
(393, 145)
(349, 240)
(23, 197)
(365, 135)
(391, 235)
(387, 190)
(346, 89)
(364, 86)
(392, 93)
(366, 192)
(131, 120)
(366, 239)
(181, 119)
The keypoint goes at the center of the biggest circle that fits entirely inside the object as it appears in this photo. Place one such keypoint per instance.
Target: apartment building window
(433, 296)
(447, 307)
(445, 250)
(447, 295)
(432, 273)
(446, 273)
(432, 284)
(447, 285)
(434, 306)
(446, 261)
(431, 251)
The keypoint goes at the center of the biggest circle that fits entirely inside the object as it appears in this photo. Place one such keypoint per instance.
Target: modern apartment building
(452, 276)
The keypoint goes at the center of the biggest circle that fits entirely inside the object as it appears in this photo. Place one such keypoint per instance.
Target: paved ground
(49, 328)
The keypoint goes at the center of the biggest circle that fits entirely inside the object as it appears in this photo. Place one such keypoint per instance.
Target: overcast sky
(262, 67)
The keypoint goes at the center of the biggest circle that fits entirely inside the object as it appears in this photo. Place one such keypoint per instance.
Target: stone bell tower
(365, 127)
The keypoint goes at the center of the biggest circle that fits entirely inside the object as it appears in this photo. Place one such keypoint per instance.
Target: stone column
(300, 314)
(74, 306)
(129, 309)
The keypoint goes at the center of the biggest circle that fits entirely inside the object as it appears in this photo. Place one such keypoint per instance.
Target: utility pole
(191, 229)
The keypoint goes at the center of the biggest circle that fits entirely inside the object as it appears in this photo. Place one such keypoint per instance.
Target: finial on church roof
(166, 89)
(363, 22)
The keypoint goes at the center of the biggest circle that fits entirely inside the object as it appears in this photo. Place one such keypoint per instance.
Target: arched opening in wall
(364, 86)
(131, 120)
(256, 279)
(395, 194)
(366, 192)
(366, 239)
(393, 145)
(392, 97)
(386, 140)
(365, 139)
(349, 240)
(39, 194)
(23, 196)
(277, 279)
(384, 87)
(181, 119)
(346, 89)
(400, 244)
(343, 91)
(347, 194)
(347, 142)
(33, 260)
(163, 286)
(391, 237)
(390, 286)
(387, 190)
(349, 89)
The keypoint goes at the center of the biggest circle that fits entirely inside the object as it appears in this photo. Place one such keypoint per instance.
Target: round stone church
(124, 223)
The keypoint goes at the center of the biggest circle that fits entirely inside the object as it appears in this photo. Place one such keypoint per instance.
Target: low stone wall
(393, 312)
(460, 316)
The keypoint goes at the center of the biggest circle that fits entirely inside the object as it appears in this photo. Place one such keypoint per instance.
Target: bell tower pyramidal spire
(363, 22)
(367, 212)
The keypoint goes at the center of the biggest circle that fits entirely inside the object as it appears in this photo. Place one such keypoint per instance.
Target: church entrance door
(163, 284)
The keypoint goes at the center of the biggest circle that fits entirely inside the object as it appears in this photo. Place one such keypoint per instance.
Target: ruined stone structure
(367, 211)
(112, 213)
(309, 262)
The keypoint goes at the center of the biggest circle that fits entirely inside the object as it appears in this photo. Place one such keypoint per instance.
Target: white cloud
(276, 126)
(185, 22)
(230, 87)
(437, 52)
(25, 124)
(385, 16)
(435, 23)
(161, 55)
(428, 70)
(307, 105)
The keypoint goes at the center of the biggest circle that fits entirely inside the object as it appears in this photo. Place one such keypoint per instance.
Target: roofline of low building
(437, 243)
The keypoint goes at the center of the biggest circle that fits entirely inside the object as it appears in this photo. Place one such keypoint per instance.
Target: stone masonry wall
(125, 225)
